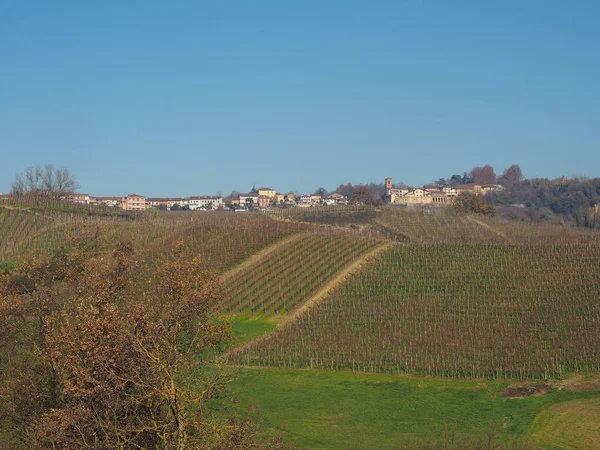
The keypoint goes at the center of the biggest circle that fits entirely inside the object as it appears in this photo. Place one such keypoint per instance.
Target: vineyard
(289, 277)
(465, 297)
(437, 225)
(16, 228)
(452, 310)
(541, 233)
(223, 239)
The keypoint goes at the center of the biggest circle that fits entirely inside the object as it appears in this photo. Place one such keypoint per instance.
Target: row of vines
(222, 238)
(453, 310)
(17, 227)
(290, 276)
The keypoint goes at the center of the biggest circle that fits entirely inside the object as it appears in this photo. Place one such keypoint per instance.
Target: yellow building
(134, 202)
(267, 192)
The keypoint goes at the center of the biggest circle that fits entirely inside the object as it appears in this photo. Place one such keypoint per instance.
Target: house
(468, 187)
(266, 191)
(153, 202)
(165, 202)
(179, 201)
(83, 199)
(478, 188)
(393, 195)
(305, 200)
(433, 188)
(485, 188)
(450, 191)
(134, 202)
(329, 201)
(249, 200)
(114, 202)
(205, 203)
(290, 199)
(335, 199)
(316, 199)
(279, 198)
(264, 201)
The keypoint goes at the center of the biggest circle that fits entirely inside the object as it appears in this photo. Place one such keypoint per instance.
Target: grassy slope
(573, 424)
(247, 328)
(317, 409)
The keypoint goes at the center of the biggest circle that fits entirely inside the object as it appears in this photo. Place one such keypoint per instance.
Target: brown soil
(526, 391)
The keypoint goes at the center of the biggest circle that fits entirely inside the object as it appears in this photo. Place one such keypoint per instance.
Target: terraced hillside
(291, 275)
(453, 310)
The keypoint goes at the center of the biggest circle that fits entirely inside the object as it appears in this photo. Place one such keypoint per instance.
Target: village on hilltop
(266, 197)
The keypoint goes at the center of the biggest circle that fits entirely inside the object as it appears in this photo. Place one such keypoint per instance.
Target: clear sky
(190, 98)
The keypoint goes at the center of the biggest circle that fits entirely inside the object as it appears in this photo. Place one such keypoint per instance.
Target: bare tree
(483, 175)
(44, 181)
(511, 175)
(363, 195)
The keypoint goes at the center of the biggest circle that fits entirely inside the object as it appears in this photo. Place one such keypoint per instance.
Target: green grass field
(340, 410)
(572, 424)
(247, 327)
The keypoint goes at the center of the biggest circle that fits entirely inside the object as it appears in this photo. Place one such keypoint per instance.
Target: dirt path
(338, 279)
(487, 227)
(261, 255)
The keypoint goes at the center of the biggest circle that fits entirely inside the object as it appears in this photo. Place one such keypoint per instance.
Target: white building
(335, 199)
(250, 199)
(81, 198)
(205, 203)
(305, 199)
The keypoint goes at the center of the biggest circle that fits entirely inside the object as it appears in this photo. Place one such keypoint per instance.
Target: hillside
(17, 228)
(453, 310)
(287, 278)
(389, 292)
(223, 239)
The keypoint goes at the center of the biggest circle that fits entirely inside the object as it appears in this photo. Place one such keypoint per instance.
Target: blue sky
(190, 98)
